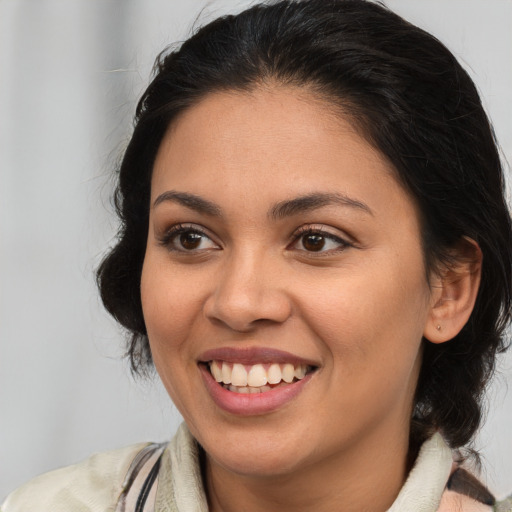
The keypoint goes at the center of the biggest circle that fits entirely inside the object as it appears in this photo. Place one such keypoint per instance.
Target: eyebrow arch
(189, 201)
(312, 202)
(280, 210)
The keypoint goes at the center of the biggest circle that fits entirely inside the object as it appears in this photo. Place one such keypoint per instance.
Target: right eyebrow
(190, 201)
(314, 201)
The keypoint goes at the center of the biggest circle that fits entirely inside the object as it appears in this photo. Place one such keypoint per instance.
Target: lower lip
(251, 404)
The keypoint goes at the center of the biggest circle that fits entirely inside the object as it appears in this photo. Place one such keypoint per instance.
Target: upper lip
(253, 355)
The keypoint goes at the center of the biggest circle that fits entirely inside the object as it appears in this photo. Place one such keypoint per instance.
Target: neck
(368, 477)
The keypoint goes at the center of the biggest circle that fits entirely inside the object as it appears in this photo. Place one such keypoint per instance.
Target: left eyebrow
(314, 201)
(191, 201)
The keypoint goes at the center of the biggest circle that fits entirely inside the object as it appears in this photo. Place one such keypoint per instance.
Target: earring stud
(438, 327)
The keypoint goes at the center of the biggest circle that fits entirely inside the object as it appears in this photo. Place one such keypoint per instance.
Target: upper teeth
(256, 375)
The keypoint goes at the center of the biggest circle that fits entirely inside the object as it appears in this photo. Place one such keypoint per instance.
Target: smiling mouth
(256, 378)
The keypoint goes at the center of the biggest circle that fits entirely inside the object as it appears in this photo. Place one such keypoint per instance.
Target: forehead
(289, 120)
(273, 141)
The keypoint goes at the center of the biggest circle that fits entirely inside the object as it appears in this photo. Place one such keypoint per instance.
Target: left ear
(454, 292)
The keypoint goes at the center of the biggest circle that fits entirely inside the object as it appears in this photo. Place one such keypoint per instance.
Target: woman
(315, 254)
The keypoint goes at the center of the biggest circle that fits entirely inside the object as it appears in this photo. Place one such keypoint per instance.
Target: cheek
(170, 300)
(169, 306)
(167, 315)
(370, 334)
(367, 317)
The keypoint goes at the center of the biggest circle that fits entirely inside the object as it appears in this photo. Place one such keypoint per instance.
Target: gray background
(70, 73)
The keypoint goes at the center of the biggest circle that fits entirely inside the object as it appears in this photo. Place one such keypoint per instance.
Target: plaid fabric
(504, 506)
(139, 486)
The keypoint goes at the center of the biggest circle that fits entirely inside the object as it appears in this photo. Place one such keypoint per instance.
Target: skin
(358, 308)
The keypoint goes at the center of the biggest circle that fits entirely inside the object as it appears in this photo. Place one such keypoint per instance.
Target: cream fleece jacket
(96, 484)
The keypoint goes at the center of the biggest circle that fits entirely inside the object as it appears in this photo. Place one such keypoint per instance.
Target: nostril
(243, 311)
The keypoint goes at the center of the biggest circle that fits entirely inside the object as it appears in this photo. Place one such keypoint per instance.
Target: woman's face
(281, 243)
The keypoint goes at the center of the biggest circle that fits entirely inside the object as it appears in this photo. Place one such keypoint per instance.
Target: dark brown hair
(411, 99)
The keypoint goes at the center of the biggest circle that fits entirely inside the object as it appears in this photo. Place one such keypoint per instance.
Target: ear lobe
(454, 292)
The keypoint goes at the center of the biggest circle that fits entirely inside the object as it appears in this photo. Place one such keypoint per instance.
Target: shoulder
(92, 485)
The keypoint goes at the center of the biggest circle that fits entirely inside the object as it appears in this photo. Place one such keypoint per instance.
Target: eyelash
(175, 231)
(179, 229)
(320, 231)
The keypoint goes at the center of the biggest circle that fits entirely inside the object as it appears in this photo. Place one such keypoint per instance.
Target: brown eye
(318, 240)
(190, 240)
(187, 239)
(313, 242)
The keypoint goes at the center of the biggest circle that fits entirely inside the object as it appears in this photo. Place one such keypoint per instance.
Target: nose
(248, 292)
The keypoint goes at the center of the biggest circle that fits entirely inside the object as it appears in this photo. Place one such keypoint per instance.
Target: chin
(256, 453)
(254, 464)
